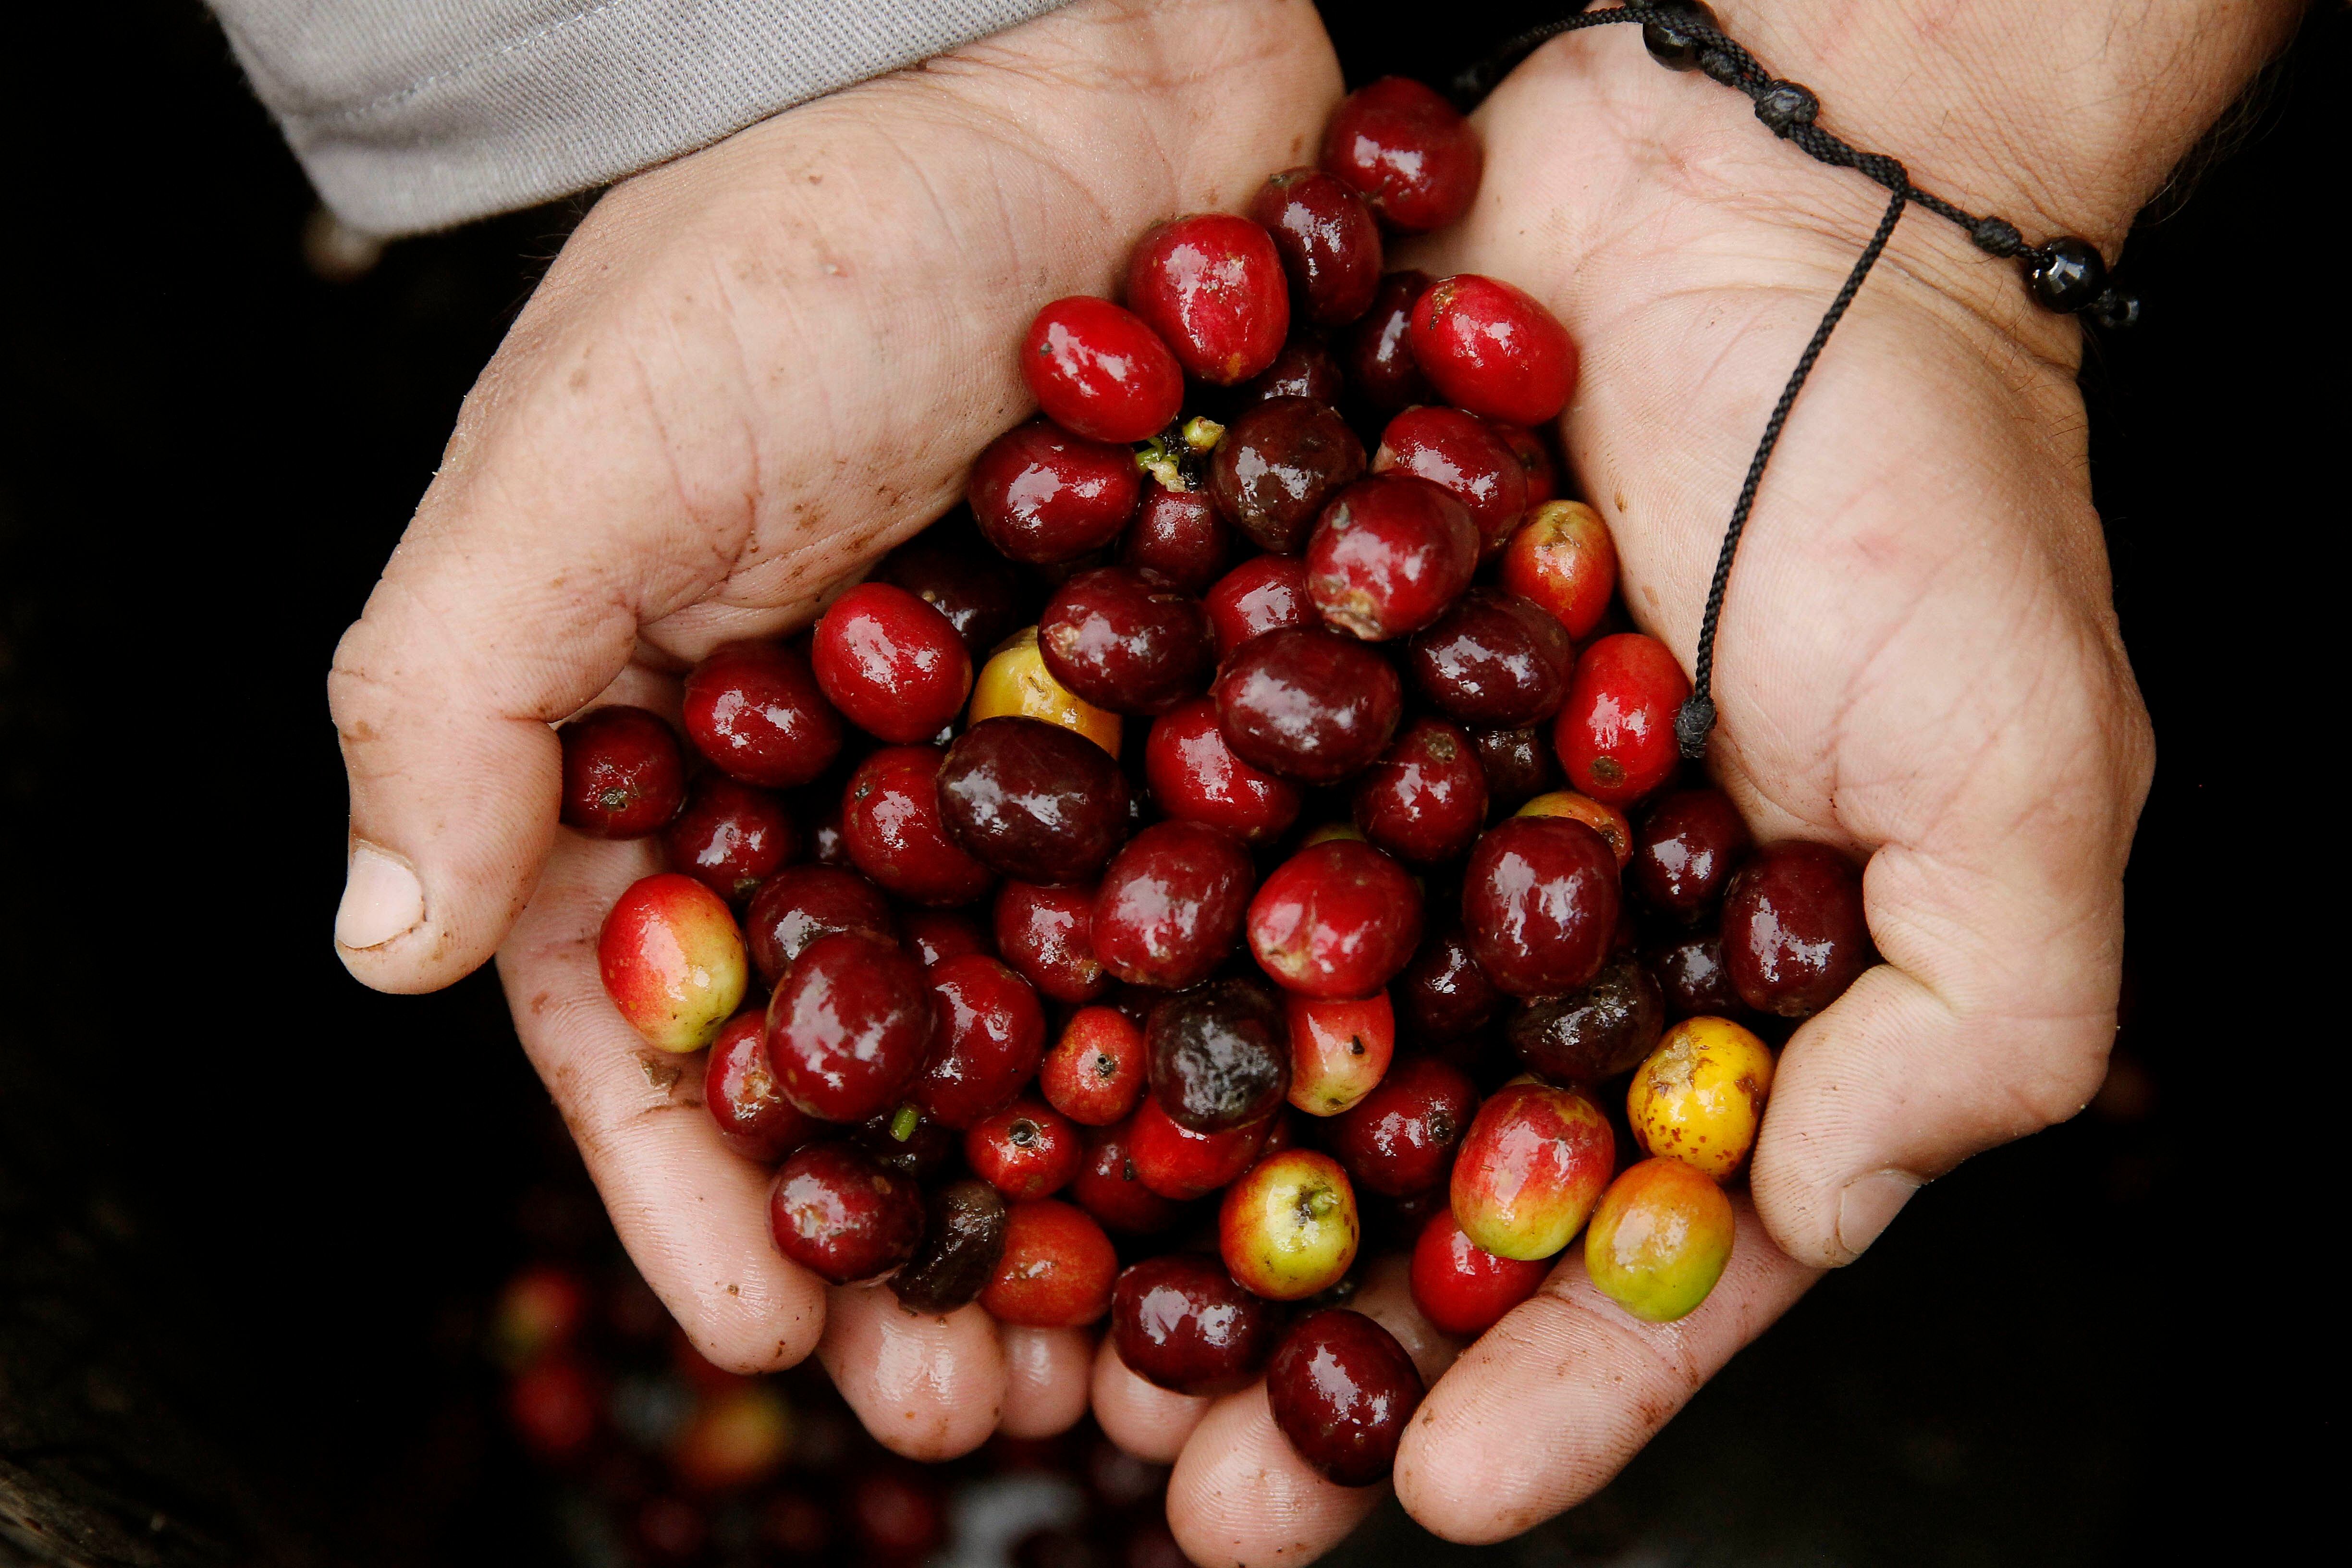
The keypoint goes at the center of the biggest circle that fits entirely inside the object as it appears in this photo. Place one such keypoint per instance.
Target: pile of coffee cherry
(1310, 838)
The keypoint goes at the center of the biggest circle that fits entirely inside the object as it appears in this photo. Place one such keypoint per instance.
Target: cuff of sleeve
(441, 124)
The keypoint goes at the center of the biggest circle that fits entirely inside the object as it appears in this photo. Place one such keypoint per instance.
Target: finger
(1143, 1418)
(693, 1214)
(1240, 1494)
(1047, 1375)
(1552, 1401)
(1384, 1294)
(927, 1386)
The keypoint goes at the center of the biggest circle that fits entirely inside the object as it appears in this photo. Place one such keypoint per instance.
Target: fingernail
(382, 900)
(1868, 1205)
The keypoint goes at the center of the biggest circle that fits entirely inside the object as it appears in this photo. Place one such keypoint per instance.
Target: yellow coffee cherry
(1016, 682)
(1606, 820)
(1700, 1095)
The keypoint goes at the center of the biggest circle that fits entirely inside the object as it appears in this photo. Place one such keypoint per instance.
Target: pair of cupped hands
(753, 370)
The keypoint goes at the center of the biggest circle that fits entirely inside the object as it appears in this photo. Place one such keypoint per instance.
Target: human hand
(1918, 657)
(749, 374)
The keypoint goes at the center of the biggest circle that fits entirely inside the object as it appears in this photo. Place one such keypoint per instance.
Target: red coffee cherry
(1539, 904)
(1126, 641)
(1564, 560)
(1425, 799)
(1411, 152)
(741, 1090)
(1180, 1165)
(849, 1027)
(1220, 1055)
(1303, 368)
(891, 663)
(1097, 1069)
(990, 1036)
(1494, 660)
(1684, 851)
(891, 822)
(1110, 1187)
(1212, 286)
(1057, 1271)
(934, 936)
(1494, 350)
(1342, 1391)
(1519, 764)
(1694, 977)
(1046, 933)
(1378, 355)
(753, 709)
(1535, 466)
(1308, 704)
(1387, 557)
(1180, 535)
(1462, 1288)
(1194, 775)
(1278, 464)
(1466, 457)
(1615, 733)
(1400, 1139)
(1794, 934)
(1170, 905)
(623, 775)
(801, 903)
(1338, 919)
(1442, 995)
(1180, 1322)
(731, 837)
(1044, 496)
(1329, 240)
(1025, 1151)
(1099, 371)
(1032, 799)
(841, 1216)
(1262, 595)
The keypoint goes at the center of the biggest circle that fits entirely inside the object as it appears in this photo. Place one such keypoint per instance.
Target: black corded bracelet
(2065, 274)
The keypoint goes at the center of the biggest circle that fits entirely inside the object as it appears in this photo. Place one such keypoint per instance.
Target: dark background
(248, 1212)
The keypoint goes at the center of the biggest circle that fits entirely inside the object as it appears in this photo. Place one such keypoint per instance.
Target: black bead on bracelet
(2066, 274)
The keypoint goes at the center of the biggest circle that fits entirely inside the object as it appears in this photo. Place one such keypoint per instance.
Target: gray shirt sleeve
(417, 114)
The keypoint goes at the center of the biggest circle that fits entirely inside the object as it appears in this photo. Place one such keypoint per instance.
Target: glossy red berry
(1535, 465)
(1033, 800)
(1342, 1390)
(1442, 995)
(1264, 594)
(1308, 704)
(1044, 496)
(1539, 904)
(1336, 919)
(1099, 1069)
(1179, 1164)
(1494, 660)
(1519, 764)
(1329, 240)
(895, 833)
(1340, 1050)
(1303, 368)
(934, 936)
(892, 664)
(1180, 535)
(1378, 355)
(1194, 775)
(754, 711)
(1046, 933)
(1564, 560)
(1615, 733)
(1409, 151)
(849, 1027)
(1694, 977)
(990, 1036)
(1460, 1287)
(1466, 457)
(1025, 1151)
(623, 775)
(801, 903)
(1170, 905)
(1400, 1139)
(1057, 1271)
(1099, 371)
(1278, 464)
(1180, 1322)
(1794, 932)
(1220, 1055)
(1425, 800)
(1387, 557)
(729, 837)
(837, 1214)
(1126, 641)
(1109, 1186)
(1686, 846)
(1212, 286)
(952, 569)
(1494, 350)
(744, 1099)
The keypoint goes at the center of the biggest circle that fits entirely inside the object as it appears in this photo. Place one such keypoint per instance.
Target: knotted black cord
(2063, 274)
